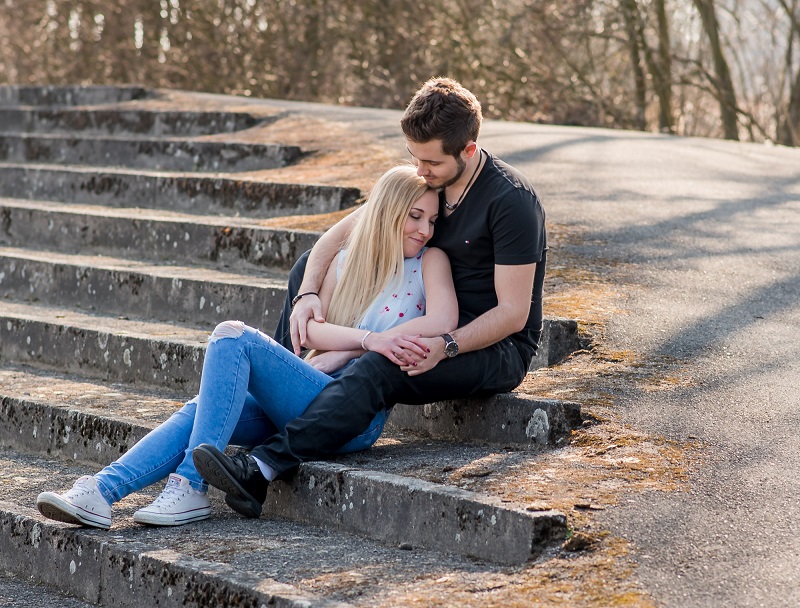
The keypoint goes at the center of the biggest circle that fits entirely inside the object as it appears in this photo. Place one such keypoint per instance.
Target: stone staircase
(125, 236)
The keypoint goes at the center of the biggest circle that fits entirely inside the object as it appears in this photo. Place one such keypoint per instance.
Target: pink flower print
(401, 315)
(408, 294)
(394, 295)
(386, 308)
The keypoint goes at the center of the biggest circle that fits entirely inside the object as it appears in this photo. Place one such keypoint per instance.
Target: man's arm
(513, 285)
(323, 252)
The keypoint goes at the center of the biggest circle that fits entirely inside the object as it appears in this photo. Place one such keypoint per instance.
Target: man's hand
(435, 353)
(308, 307)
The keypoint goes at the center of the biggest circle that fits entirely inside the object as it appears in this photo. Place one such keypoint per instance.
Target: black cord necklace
(466, 189)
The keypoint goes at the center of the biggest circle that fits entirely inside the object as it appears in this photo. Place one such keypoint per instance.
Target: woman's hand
(435, 351)
(328, 362)
(399, 349)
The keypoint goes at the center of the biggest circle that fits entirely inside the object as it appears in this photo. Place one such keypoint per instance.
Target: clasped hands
(413, 354)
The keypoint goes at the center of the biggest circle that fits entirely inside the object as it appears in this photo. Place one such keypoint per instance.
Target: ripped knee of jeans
(226, 329)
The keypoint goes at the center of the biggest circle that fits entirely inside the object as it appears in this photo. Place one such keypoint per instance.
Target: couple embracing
(431, 290)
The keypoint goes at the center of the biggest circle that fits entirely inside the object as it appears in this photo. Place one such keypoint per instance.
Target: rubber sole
(236, 497)
(56, 508)
(166, 519)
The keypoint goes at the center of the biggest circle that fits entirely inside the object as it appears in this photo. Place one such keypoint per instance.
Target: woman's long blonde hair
(375, 245)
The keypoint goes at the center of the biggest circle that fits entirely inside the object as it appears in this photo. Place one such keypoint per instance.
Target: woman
(381, 293)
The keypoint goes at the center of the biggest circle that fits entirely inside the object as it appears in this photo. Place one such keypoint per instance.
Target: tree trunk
(630, 12)
(723, 83)
(790, 133)
(666, 121)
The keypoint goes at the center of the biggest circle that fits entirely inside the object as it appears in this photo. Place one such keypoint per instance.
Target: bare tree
(789, 124)
(721, 81)
(630, 13)
(669, 65)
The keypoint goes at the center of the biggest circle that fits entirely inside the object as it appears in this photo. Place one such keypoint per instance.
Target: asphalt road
(709, 234)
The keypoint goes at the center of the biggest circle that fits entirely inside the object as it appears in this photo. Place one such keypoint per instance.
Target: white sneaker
(178, 504)
(83, 504)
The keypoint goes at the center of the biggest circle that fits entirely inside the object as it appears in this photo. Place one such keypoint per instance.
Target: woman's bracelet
(363, 346)
(297, 298)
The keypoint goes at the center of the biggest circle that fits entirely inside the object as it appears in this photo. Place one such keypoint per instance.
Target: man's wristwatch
(450, 345)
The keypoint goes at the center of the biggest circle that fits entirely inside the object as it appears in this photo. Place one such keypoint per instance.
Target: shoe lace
(81, 488)
(171, 494)
(244, 460)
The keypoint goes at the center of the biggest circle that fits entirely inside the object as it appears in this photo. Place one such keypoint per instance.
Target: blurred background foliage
(716, 68)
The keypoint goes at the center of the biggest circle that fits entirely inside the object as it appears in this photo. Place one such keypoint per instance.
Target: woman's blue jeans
(250, 388)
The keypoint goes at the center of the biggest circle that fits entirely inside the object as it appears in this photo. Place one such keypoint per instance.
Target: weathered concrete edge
(560, 338)
(396, 509)
(158, 238)
(507, 419)
(146, 295)
(119, 119)
(143, 294)
(70, 94)
(84, 350)
(130, 573)
(381, 506)
(189, 193)
(142, 360)
(148, 153)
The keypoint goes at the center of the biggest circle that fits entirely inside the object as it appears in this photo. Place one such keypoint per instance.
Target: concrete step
(169, 293)
(200, 194)
(189, 240)
(169, 357)
(509, 419)
(150, 234)
(224, 561)
(118, 350)
(144, 153)
(24, 592)
(69, 95)
(382, 493)
(122, 121)
(134, 566)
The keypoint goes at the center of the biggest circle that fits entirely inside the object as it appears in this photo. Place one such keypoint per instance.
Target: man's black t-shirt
(500, 221)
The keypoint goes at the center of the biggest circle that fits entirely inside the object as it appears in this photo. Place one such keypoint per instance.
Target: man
(491, 225)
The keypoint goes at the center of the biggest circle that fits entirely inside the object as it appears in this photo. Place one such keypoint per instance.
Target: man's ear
(470, 148)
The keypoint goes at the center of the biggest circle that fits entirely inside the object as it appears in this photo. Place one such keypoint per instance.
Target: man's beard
(461, 167)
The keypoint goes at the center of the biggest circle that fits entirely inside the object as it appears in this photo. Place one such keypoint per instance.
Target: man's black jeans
(348, 404)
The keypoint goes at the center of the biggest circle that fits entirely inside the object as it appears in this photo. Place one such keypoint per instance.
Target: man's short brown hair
(443, 109)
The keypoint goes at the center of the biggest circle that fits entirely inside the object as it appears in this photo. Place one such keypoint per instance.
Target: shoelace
(80, 489)
(169, 496)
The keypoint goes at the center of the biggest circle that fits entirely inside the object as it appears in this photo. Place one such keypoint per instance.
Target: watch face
(451, 349)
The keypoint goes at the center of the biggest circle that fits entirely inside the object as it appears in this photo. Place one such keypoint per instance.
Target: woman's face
(419, 225)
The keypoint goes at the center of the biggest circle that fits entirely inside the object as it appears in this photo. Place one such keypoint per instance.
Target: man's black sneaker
(238, 476)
